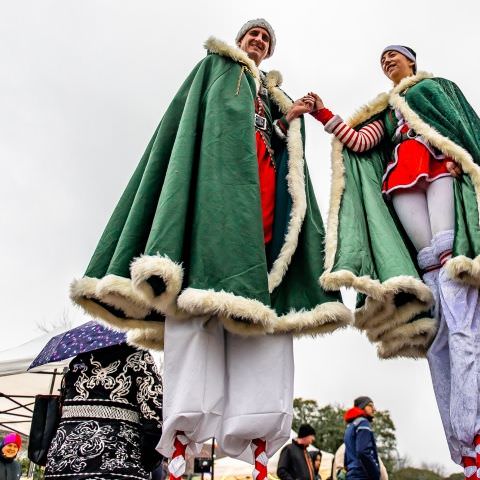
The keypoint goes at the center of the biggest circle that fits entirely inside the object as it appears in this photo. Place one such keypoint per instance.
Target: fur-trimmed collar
(410, 81)
(214, 45)
(381, 102)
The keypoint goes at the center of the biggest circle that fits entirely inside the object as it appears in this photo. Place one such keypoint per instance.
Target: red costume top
(413, 159)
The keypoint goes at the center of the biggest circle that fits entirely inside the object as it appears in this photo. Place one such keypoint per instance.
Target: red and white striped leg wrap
(469, 468)
(177, 464)
(261, 459)
(476, 444)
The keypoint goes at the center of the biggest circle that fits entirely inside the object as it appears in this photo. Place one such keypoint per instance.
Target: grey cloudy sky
(82, 87)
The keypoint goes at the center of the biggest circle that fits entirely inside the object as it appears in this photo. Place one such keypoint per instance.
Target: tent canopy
(18, 388)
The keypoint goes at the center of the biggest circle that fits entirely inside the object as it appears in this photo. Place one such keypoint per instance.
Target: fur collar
(271, 79)
(381, 102)
(410, 81)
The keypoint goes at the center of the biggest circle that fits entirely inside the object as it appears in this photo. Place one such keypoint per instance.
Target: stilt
(261, 459)
(177, 464)
(469, 468)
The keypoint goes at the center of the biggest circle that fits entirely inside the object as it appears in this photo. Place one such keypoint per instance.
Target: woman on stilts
(411, 147)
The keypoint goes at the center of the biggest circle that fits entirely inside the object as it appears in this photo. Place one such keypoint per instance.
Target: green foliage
(386, 440)
(456, 476)
(414, 474)
(330, 427)
(327, 422)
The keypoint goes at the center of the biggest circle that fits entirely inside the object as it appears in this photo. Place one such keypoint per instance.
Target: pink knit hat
(12, 438)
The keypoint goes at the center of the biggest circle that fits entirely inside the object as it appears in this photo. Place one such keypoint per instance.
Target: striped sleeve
(358, 141)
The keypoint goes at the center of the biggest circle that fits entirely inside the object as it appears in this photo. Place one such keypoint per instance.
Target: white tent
(18, 388)
(232, 469)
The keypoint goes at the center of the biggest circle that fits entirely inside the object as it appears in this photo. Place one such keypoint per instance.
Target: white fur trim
(410, 340)
(415, 352)
(295, 182)
(214, 45)
(150, 338)
(464, 269)
(338, 177)
(85, 291)
(118, 292)
(146, 266)
(258, 318)
(324, 318)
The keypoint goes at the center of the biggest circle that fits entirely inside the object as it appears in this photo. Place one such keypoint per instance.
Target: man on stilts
(215, 250)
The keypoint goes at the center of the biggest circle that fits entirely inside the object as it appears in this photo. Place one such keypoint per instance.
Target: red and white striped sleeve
(358, 141)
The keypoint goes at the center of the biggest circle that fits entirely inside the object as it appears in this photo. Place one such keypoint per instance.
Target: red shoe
(469, 467)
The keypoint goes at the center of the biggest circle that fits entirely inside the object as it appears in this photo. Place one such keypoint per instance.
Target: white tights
(426, 209)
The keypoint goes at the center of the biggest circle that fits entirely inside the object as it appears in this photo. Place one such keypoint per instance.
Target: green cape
(366, 247)
(186, 238)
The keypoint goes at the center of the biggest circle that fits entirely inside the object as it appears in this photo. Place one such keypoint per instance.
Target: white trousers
(426, 210)
(222, 385)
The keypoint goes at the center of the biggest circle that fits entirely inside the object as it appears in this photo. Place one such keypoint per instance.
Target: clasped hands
(310, 102)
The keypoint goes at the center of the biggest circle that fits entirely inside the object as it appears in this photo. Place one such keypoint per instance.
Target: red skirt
(412, 162)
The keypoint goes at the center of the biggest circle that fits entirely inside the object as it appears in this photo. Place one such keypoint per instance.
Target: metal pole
(213, 456)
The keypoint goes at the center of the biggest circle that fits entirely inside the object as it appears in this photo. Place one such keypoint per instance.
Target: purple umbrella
(85, 338)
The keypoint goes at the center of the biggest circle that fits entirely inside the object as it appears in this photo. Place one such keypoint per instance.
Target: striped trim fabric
(365, 428)
(444, 256)
(93, 476)
(359, 141)
(100, 411)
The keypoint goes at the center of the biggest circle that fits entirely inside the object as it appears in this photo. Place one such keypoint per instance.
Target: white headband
(400, 49)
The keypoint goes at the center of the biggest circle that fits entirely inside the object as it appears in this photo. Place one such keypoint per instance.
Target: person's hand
(454, 168)
(299, 107)
(317, 101)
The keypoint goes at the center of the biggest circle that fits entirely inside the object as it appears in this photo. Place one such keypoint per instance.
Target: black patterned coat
(111, 418)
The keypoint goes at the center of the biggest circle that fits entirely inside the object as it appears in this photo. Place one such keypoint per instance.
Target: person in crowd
(316, 457)
(361, 457)
(339, 472)
(10, 469)
(111, 417)
(295, 462)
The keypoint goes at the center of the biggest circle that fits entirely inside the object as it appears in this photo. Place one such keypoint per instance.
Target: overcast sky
(83, 86)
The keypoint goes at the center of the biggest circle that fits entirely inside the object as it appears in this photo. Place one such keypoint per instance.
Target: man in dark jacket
(295, 463)
(361, 458)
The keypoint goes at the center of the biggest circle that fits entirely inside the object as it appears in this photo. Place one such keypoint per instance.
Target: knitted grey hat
(362, 402)
(258, 22)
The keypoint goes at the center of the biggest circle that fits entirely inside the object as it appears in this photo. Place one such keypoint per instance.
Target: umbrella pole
(261, 459)
(52, 385)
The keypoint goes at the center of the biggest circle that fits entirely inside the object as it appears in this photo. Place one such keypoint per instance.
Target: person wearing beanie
(10, 469)
(408, 164)
(361, 457)
(214, 254)
(295, 462)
